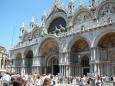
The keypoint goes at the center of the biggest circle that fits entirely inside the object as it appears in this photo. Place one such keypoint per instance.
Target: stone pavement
(106, 84)
(66, 85)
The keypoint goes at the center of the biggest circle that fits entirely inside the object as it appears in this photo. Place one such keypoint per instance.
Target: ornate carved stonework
(67, 41)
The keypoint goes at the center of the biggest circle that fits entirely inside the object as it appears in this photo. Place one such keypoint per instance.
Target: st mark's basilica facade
(71, 41)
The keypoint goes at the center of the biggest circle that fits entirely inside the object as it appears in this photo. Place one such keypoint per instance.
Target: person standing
(47, 82)
(6, 79)
(52, 81)
(38, 81)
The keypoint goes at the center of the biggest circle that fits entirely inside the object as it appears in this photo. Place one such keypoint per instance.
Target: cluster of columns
(99, 64)
(70, 70)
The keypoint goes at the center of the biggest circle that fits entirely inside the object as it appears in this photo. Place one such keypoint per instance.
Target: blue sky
(13, 12)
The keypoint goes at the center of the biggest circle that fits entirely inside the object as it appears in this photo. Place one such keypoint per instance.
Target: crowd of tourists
(15, 79)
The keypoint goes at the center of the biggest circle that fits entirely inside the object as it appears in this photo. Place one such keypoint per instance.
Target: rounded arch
(28, 60)
(49, 49)
(35, 32)
(48, 45)
(18, 55)
(100, 8)
(53, 65)
(99, 36)
(85, 64)
(78, 48)
(85, 61)
(74, 39)
(27, 50)
(52, 57)
(45, 39)
(18, 62)
(56, 23)
(82, 13)
(55, 16)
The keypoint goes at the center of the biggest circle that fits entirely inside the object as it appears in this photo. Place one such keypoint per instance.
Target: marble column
(91, 68)
(95, 69)
(108, 69)
(98, 65)
(23, 65)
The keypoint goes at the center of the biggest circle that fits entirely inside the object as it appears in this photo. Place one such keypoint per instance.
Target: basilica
(72, 40)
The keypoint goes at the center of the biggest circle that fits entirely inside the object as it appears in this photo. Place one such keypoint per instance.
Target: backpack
(53, 82)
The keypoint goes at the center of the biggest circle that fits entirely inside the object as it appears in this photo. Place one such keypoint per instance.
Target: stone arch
(74, 39)
(45, 38)
(28, 60)
(104, 44)
(18, 55)
(49, 41)
(48, 49)
(100, 35)
(55, 16)
(84, 13)
(48, 59)
(85, 63)
(78, 48)
(53, 64)
(35, 32)
(18, 62)
(101, 7)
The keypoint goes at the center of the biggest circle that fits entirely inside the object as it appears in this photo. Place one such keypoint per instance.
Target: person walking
(38, 81)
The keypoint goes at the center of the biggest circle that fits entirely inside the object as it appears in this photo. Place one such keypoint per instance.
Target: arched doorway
(106, 46)
(18, 63)
(78, 58)
(28, 61)
(85, 65)
(50, 56)
(53, 66)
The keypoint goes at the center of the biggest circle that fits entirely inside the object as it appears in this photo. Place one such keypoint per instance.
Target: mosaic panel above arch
(81, 17)
(107, 41)
(106, 8)
(48, 45)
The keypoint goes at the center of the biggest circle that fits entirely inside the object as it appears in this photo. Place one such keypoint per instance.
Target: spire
(32, 23)
(71, 3)
(33, 19)
(71, 6)
(23, 28)
(23, 24)
(80, 3)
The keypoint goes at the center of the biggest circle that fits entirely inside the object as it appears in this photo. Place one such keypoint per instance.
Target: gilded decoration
(107, 41)
(106, 9)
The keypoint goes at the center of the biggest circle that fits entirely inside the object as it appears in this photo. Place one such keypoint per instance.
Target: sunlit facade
(3, 58)
(71, 41)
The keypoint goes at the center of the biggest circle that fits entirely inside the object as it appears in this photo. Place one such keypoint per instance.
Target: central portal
(85, 65)
(53, 66)
(49, 51)
(55, 69)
